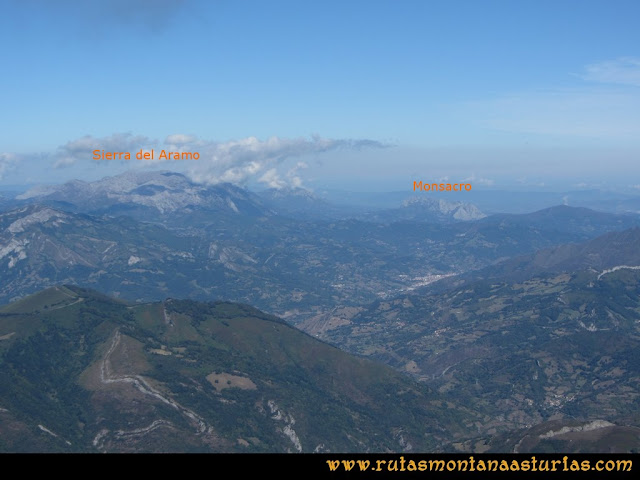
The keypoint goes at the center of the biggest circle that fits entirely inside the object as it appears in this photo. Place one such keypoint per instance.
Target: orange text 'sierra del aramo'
(145, 155)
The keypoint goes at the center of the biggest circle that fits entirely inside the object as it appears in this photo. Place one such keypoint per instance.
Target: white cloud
(292, 175)
(7, 162)
(624, 71)
(272, 179)
(64, 161)
(240, 161)
(82, 148)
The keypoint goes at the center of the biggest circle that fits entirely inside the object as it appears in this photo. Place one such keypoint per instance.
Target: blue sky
(368, 93)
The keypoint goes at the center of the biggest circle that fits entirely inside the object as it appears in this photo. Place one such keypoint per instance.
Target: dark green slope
(82, 372)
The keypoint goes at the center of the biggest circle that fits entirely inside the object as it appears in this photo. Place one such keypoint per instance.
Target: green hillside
(82, 372)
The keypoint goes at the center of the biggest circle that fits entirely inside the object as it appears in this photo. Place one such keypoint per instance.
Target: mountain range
(507, 332)
(146, 235)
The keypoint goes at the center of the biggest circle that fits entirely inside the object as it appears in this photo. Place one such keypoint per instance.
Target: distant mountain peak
(457, 210)
(164, 191)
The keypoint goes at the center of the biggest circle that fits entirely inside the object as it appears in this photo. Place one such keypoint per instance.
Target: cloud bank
(265, 161)
(7, 162)
(275, 162)
(82, 148)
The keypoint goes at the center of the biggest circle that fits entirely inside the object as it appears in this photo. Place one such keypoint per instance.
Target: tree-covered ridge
(83, 372)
